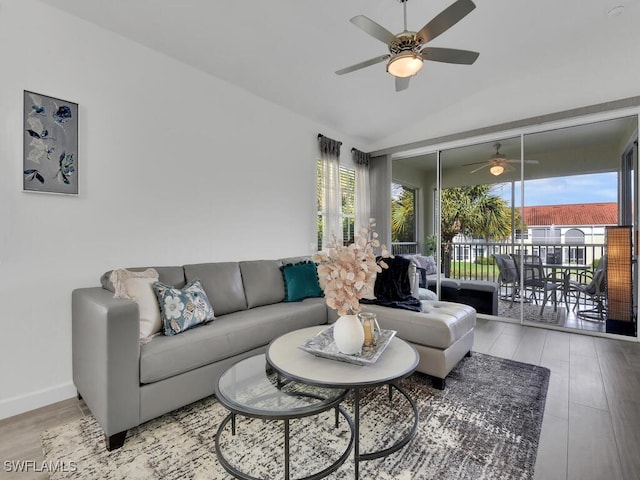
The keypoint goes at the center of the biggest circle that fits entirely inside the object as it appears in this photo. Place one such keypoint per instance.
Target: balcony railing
(474, 260)
(405, 248)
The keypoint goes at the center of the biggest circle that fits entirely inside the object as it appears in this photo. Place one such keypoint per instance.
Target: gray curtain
(360, 158)
(329, 146)
(363, 195)
(331, 195)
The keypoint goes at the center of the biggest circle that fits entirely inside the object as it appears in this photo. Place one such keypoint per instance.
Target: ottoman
(442, 334)
(482, 295)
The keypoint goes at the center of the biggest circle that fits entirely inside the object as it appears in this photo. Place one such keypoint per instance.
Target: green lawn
(475, 271)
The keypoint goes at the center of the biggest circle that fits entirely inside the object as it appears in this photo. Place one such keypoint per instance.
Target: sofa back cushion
(263, 283)
(173, 276)
(222, 282)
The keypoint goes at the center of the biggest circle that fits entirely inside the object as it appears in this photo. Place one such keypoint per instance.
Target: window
(348, 191)
(348, 187)
(548, 235)
(403, 219)
(574, 236)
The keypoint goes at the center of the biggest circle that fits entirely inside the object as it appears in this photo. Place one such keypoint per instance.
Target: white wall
(175, 167)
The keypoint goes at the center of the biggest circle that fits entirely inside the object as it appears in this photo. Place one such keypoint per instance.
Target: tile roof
(576, 214)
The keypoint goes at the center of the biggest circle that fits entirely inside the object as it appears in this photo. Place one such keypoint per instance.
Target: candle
(368, 333)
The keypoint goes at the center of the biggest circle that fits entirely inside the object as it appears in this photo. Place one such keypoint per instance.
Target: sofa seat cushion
(439, 325)
(227, 336)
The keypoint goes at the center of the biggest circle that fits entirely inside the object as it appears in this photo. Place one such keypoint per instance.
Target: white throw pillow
(368, 290)
(121, 275)
(140, 290)
(426, 294)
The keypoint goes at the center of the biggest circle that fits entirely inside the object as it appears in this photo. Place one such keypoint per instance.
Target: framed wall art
(50, 155)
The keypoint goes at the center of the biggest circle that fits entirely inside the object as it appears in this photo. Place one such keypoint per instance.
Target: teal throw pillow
(183, 308)
(300, 281)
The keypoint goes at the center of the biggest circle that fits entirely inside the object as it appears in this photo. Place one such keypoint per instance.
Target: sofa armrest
(106, 357)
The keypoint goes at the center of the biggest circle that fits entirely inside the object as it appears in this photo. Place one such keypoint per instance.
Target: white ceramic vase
(348, 334)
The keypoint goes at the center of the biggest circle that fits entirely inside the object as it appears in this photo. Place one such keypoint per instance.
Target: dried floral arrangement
(350, 271)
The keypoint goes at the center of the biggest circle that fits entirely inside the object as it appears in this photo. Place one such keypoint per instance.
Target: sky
(592, 188)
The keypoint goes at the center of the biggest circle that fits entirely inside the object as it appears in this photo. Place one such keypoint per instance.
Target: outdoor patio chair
(593, 287)
(508, 276)
(535, 280)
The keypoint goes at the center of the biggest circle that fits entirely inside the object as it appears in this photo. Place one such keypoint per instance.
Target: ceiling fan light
(496, 170)
(405, 64)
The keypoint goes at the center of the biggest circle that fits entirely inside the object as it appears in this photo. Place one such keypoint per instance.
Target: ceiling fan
(498, 163)
(405, 54)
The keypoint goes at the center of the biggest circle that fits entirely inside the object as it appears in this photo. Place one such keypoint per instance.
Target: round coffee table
(399, 360)
(252, 388)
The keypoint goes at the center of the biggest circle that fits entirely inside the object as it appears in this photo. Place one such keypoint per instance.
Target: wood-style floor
(591, 426)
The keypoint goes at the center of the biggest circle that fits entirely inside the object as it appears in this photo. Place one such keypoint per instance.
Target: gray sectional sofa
(125, 383)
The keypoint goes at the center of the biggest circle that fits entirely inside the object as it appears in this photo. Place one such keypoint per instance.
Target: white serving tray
(323, 345)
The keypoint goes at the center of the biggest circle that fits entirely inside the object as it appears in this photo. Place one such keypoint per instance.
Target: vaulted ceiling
(536, 57)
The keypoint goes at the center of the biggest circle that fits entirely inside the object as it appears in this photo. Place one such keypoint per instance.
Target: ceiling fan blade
(531, 162)
(474, 163)
(445, 20)
(402, 83)
(366, 63)
(449, 55)
(480, 168)
(374, 29)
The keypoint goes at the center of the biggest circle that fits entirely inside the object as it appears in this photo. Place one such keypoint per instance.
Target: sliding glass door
(541, 197)
(580, 186)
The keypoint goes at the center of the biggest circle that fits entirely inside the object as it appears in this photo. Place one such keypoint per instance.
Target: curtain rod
(352, 150)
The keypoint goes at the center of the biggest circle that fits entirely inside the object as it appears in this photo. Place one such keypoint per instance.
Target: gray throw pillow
(430, 265)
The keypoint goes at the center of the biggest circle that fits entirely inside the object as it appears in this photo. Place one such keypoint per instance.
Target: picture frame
(50, 149)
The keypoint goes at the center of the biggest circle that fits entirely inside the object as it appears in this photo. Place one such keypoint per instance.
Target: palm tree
(475, 212)
(403, 216)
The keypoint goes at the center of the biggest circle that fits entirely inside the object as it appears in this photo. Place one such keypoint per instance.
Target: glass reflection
(546, 207)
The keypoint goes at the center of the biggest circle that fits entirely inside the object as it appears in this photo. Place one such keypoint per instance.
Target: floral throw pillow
(183, 308)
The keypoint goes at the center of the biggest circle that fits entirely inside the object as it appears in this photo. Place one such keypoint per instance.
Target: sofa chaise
(126, 382)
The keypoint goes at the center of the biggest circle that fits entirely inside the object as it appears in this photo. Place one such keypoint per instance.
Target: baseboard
(31, 401)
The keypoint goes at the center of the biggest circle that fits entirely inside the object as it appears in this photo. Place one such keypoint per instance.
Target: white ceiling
(536, 57)
(580, 149)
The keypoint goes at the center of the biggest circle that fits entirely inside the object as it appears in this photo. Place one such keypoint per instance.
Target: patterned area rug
(532, 312)
(485, 424)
